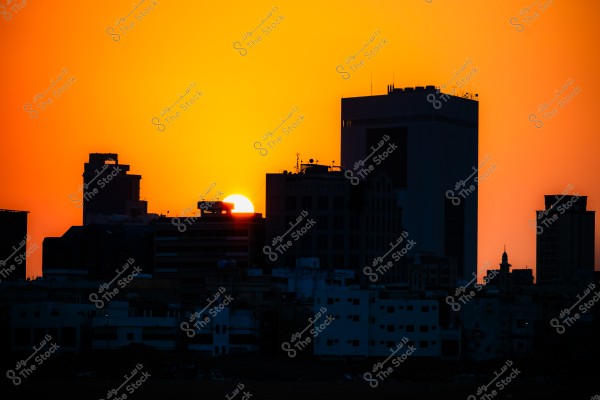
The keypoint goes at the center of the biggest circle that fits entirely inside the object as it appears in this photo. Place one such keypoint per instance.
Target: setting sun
(241, 203)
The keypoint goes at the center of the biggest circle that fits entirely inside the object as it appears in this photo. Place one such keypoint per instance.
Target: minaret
(504, 272)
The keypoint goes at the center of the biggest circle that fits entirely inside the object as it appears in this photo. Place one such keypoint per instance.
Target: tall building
(13, 244)
(435, 147)
(109, 194)
(565, 240)
(317, 212)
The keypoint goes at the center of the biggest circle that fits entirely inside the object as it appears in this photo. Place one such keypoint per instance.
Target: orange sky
(112, 91)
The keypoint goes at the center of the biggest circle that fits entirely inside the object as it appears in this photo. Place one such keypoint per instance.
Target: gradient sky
(112, 90)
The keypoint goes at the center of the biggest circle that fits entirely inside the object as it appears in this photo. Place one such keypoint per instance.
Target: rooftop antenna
(297, 163)
(371, 83)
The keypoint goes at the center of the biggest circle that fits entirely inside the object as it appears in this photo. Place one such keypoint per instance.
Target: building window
(23, 314)
(306, 203)
(323, 242)
(409, 308)
(400, 307)
(390, 309)
(53, 332)
(323, 202)
(329, 300)
(423, 343)
(306, 242)
(356, 301)
(338, 244)
(389, 343)
(130, 336)
(323, 222)
(290, 203)
(22, 336)
(391, 328)
(338, 222)
(217, 329)
(424, 308)
(423, 328)
(410, 328)
(356, 318)
(329, 342)
(36, 314)
(68, 336)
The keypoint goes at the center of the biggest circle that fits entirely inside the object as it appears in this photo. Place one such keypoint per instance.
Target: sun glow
(241, 203)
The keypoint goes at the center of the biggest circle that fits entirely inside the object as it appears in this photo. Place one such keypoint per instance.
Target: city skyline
(299, 200)
(254, 92)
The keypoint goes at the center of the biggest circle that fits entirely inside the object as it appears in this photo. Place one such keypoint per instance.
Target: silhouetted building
(109, 193)
(190, 249)
(95, 251)
(369, 323)
(13, 245)
(501, 326)
(505, 279)
(436, 147)
(145, 311)
(565, 240)
(427, 271)
(317, 212)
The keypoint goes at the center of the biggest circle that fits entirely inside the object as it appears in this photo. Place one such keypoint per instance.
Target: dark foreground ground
(193, 377)
(290, 390)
